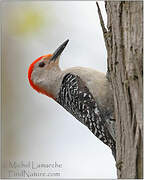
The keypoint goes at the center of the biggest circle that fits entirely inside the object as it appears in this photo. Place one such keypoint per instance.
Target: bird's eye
(41, 64)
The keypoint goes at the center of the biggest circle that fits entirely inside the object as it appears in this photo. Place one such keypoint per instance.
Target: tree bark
(123, 38)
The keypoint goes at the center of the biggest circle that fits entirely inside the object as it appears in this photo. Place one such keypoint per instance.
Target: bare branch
(106, 33)
(101, 20)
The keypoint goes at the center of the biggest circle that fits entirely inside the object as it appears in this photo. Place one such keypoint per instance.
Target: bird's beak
(58, 51)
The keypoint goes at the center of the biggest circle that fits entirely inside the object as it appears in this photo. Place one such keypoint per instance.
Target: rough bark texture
(123, 38)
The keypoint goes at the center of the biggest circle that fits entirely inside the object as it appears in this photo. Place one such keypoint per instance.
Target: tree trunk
(123, 38)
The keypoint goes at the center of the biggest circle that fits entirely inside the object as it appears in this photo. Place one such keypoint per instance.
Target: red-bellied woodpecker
(83, 92)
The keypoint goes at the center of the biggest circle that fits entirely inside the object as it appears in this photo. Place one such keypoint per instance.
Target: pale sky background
(34, 127)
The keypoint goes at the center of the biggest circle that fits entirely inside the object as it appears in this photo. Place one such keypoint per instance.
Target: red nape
(38, 89)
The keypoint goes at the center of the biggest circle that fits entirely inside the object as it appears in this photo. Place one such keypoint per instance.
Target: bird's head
(42, 70)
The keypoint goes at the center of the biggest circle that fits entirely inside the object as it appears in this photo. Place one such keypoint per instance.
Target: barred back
(76, 98)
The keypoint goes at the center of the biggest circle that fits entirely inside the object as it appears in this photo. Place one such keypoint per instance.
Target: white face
(39, 71)
(44, 73)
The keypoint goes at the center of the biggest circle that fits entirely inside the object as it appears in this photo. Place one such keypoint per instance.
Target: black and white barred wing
(76, 98)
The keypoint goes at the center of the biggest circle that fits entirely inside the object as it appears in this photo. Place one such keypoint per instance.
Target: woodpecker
(83, 92)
